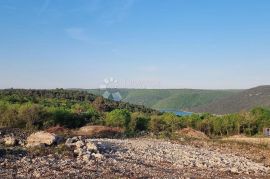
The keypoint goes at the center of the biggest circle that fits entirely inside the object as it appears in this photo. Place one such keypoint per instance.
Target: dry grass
(265, 141)
(59, 131)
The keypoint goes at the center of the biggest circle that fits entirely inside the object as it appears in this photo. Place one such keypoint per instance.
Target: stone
(91, 147)
(79, 144)
(234, 170)
(21, 142)
(10, 141)
(86, 158)
(79, 151)
(42, 138)
(75, 139)
(97, 156)
(59, 139)
(70, 142)
(36, 174)
(182, 139)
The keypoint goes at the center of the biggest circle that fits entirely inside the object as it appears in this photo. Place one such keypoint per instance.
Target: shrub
(157, 124)
(172, 122)
(63, 117)
(118, 118)
(139, 122)
(32, 115)
(9, 116)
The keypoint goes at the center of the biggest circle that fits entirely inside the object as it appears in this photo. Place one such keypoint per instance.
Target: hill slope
(170, 99)
(65, 98)
(245, 100)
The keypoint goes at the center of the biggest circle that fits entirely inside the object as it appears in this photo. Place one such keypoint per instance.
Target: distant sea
(178, 113)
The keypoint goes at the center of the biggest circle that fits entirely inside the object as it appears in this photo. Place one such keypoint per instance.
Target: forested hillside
(243, 101)
(42, 109)
(66, 98)
(35, 109)
(170, 99)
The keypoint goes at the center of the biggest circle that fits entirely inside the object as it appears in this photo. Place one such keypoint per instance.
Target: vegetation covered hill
(66, 98)
(37, 109)
(245, 100)
(43, 109)
(170, 99)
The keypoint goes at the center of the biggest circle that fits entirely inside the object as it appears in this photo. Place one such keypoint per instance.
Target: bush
(118, 118)
(9, 116)
(157, 124)
(32, 115)
(64, 118)
(139, 122)
(165, 125)
(172, 122)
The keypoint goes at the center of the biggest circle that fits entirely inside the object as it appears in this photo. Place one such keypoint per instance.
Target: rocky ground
(132, 158)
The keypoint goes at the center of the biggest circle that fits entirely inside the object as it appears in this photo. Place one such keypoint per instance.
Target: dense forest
(41, 109)
(169, 99)
(244, 100)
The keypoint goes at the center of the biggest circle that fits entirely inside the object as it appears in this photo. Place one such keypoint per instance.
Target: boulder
(10, 141)
(42, 138)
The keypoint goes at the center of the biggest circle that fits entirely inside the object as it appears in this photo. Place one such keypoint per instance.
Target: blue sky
(140, 43)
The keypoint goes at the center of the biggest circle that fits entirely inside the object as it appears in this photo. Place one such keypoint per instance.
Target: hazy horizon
(130, 88)
(152, 44)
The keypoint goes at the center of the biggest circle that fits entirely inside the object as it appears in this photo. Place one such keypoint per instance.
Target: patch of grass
(242, 144)
(61, 149)
(4, 151)
(259, 141)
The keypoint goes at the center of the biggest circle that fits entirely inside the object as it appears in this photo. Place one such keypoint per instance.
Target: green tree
(172, 122)
(32, 115)
(118, 118)
(139, 122)
(157, 124)
(9, 117)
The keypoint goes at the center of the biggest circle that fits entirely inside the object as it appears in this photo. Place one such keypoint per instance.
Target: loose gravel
(137, 158)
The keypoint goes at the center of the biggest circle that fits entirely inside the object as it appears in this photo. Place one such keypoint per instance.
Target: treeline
(36, 96)
(41, 109)
(34, 116)
(248, 123)
(66, 99)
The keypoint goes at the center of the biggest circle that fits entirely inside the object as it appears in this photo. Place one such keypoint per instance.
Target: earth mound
(191, 133)
(99, 131)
